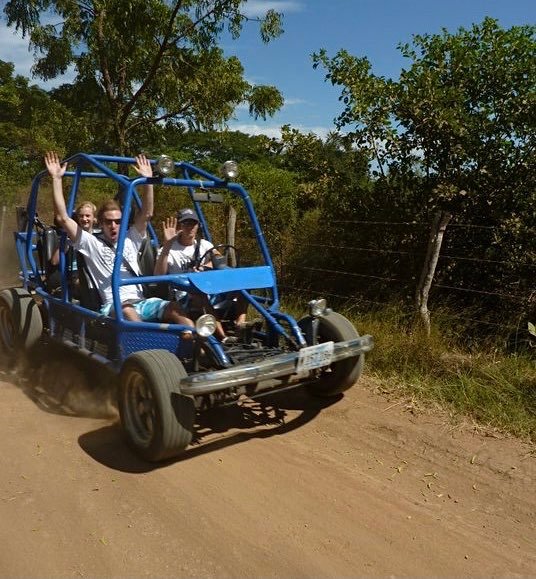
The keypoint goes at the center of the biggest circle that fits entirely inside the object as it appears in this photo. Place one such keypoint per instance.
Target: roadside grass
(496, 389)
(493, 387)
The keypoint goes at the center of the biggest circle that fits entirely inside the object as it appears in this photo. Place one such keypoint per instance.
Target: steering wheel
(219, 261)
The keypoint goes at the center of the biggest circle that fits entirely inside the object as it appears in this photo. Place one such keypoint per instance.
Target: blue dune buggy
(163, 379)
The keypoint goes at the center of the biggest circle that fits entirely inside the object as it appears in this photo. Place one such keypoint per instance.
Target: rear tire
(342, 375)
(157, 419)
(21, 324)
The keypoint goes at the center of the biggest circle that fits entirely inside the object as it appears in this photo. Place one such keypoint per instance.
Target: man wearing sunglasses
(100, 253)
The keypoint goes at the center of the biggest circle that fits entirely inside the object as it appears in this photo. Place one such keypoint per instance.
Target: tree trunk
(437, 232)
(231, 231)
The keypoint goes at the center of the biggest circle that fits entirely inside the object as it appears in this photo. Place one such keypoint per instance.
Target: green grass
(494, 388)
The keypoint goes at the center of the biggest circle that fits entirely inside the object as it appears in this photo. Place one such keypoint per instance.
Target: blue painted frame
(191, 178)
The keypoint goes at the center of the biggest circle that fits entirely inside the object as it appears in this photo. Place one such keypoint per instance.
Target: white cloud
(253, 129)
(274, 132)
(291, 102)
(258, 8)
(14, 48)
(244, 106)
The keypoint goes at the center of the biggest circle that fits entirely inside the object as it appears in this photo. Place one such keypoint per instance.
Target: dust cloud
(70, 387)
(62, 383)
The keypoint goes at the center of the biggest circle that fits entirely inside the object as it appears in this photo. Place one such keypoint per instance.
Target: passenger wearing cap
(181, 245)
(179, 252)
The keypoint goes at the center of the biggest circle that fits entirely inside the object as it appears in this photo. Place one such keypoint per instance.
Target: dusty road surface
(361, 486)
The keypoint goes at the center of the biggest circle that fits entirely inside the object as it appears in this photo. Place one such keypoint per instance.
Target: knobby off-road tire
(340, 376)
(21, 324)
(157, 419)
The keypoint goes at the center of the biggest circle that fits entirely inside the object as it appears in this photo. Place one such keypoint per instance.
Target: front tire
(339, 376)
(157, 419)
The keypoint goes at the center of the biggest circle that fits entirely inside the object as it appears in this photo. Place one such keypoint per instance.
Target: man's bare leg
(241, 310)
(130, 313)
(173, 314)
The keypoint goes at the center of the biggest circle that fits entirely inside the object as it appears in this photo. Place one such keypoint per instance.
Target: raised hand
(169, 229)
(53, 165)
(143, 166)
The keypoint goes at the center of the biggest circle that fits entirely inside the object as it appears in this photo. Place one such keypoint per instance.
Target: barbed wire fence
(365, 276)
(367, 272)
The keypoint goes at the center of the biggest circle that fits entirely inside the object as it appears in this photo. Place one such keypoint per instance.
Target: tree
(212, 148)
(30, 122)
(459, 126)
(332, 173)
(273, 191)
(144, 63)
(462, 115)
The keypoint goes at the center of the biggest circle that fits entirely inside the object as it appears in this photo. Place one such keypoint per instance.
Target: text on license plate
(313, 357)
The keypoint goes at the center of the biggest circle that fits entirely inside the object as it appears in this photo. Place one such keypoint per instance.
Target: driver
(181, 251)
(181, 248)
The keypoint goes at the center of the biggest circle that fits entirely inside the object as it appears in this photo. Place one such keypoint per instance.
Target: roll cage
(202, 187)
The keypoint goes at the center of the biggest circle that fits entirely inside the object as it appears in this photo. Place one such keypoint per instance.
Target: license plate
(315, 356)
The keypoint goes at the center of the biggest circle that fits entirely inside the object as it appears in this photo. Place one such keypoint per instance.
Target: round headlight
(229, 169)
(317, 307)
(164, 166)
(205, 325)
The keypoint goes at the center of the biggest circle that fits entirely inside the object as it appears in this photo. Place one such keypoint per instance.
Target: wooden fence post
(231, 232)
(437, 231)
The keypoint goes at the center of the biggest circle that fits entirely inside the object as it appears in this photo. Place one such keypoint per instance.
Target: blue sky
(371, 28)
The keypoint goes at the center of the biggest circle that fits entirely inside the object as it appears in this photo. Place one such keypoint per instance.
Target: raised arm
(169, 227)
(143, 216)
(61, 217)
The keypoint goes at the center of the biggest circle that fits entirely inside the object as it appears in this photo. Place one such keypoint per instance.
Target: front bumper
(278, 367)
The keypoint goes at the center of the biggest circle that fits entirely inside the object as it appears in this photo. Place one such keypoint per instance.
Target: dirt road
(294, 488)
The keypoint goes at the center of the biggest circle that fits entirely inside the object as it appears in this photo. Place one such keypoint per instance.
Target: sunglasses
(110, 221)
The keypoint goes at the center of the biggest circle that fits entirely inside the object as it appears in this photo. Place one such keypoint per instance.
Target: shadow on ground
(72, 386)
(275, 415)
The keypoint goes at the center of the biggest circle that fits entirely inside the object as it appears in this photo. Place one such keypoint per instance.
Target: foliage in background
(347, 215)
(273, 192)
(143, 63)
(332, 174)
(462, 115)
(30, 123)
(497, 390)
(456, 132)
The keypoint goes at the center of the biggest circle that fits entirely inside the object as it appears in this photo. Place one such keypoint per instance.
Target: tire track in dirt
(292, 487)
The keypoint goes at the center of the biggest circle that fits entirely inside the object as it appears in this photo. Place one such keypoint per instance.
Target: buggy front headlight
(164, 166)
(317, 307)
(205, 325)
(229, 170)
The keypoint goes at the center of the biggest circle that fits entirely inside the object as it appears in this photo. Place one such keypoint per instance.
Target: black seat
(47, 243)
(88, 293)
(147, 257)
(146, 262)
